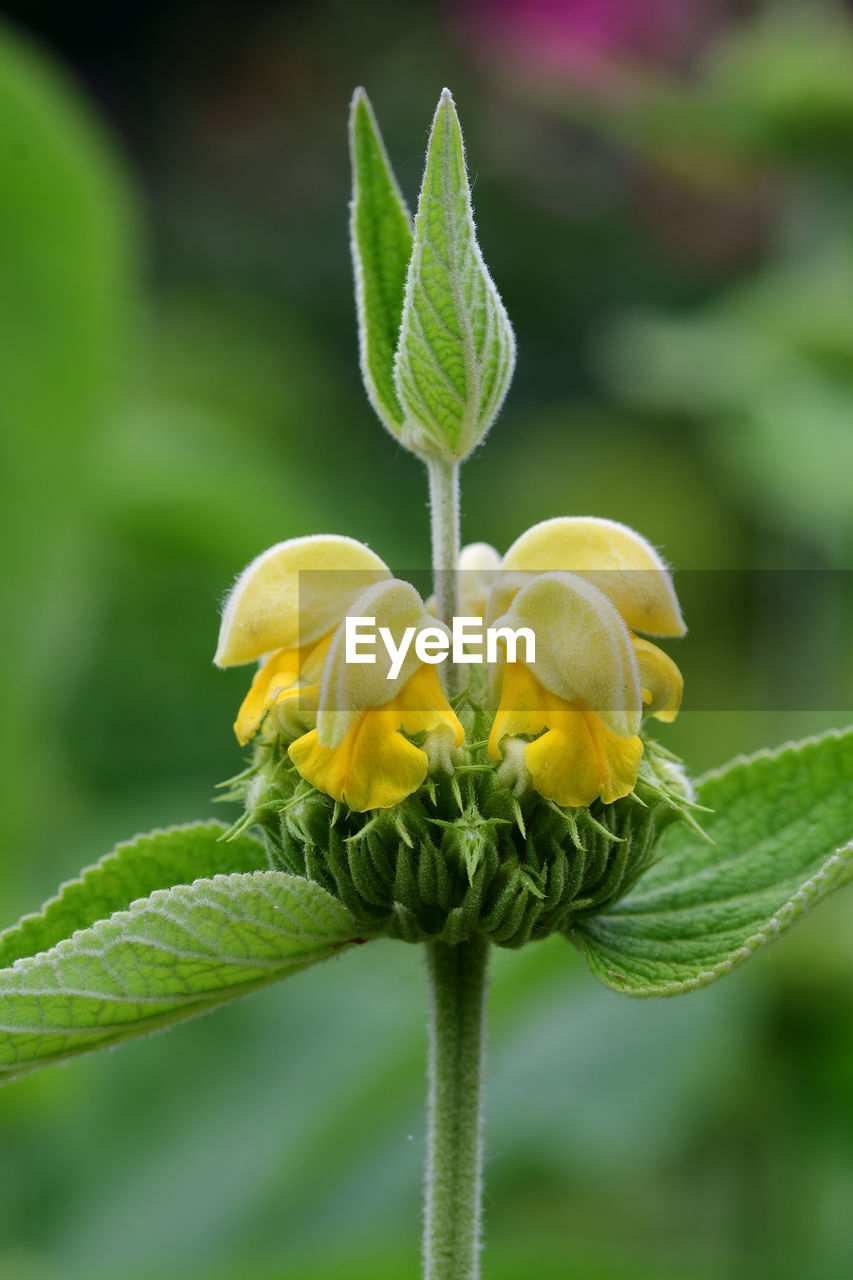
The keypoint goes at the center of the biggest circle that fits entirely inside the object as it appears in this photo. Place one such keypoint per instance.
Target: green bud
(436, 346)
(456, 352)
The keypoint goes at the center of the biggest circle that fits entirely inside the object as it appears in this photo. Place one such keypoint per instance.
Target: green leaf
(133, 870)
(782, 826)
(381, 242)
(170, 956)
(457, 350)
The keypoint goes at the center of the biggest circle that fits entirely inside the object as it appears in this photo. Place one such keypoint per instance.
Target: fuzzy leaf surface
(381, 242)
(457, 350)
(782, 826)
(133, 870)
(159, 959)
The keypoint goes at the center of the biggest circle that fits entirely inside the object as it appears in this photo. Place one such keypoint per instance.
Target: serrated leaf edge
(153, 900)
(771, 753)
(80, 879)
(835, 872)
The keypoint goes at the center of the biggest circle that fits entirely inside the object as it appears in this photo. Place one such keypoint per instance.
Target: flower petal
(616, 559)
(661, 681)
(522, 708)
(422, 707)
(578, 759)
(278, 672)
(294, 711)
(350, 688)
(374, 766)
(292, 594)
(583, 648)
(288, 673)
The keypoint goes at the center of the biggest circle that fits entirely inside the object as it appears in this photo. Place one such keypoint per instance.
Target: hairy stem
(457, 977)
(444, 513)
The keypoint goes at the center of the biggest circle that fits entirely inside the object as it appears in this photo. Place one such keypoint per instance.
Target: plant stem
(457, 977)
(457, 980)
(444, 514)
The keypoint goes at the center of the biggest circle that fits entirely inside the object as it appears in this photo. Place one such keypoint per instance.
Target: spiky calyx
(464, 856)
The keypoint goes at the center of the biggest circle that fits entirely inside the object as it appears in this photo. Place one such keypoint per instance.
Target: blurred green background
(665, 199)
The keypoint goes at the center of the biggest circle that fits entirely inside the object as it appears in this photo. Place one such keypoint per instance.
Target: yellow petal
(422, 707)
(349, 688)
(311, 667)
(278, 673)
(583, 648)
(616, 559)
(292, 594)
(661, 681)
(288, 673)
(294, 710)
(522, 709)
(578, 759)
(375, 767)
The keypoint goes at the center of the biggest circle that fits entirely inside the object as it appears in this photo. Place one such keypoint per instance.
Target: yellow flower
(609, 555)
(566, 720)
(580, 584)
(357, 753)
(347, 719)
(283, 610)
(582, 689)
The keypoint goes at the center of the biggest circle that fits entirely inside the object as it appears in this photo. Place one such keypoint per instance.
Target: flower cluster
(565, 725)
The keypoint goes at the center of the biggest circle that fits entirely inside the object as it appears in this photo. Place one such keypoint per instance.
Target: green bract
(463, 857)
